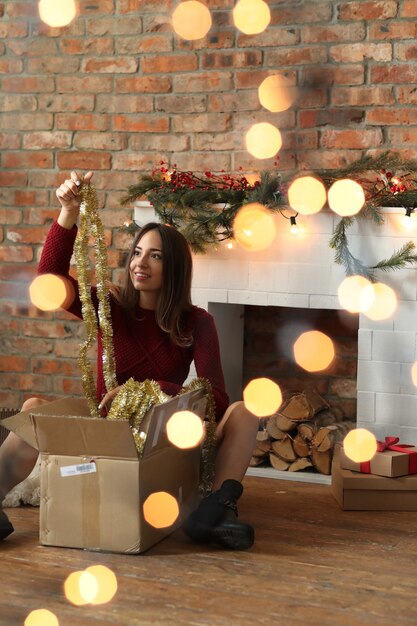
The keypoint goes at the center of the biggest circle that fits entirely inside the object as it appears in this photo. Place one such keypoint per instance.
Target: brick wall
(116, 92)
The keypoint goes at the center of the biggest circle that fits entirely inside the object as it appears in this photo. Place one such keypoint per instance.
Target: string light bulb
(294, 228)
(408, 220)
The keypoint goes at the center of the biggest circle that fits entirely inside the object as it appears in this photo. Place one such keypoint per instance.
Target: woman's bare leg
(17, 458)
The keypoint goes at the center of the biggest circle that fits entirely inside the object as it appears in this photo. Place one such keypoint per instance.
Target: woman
(157, 333)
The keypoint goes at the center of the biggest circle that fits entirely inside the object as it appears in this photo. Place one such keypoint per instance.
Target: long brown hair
(175, 297)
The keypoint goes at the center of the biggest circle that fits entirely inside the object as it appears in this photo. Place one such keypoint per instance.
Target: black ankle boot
(215, 519)
(6, 528)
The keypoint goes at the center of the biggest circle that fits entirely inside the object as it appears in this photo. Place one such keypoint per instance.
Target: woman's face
(146, 268)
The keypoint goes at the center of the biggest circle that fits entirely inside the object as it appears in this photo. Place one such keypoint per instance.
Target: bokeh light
(88, 586)
(382, 301)
(263, 140)
(185, 429)
(359, 445)
(409, 222)
(57, 13)
(72, 589)
(314, 351)
(262, 397)
(276, 93)
(107, 583)
(352, 295)
(41, 617)
(251, 16)
(414, 373)
(160, 509)
(254, 227)
(346, 197)
(49, 292)
(191, 20)
(307, 195)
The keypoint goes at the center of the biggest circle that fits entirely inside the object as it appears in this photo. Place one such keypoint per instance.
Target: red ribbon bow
(391, 443)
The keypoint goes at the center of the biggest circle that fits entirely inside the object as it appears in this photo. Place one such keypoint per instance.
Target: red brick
(55, 139)
(10, 327)
(362, 96)
(204, 161)
(328, 159)
(10, 216)
(143, 84)
(14, 363)
(329, 75)
(53, 65)
(373, 10)
(30, 197)
(169, 63)
(114, 25)
(309, 12)
(60, 104)
(12, 30)
(295, 56)
(67, 367)
(354, 52)
(33, 47)
(26, 234)
(231, 59)
(351, 139)
(402, 136)
(240, 101)
(333, 32)
(146, 43)
(115, 219)
(18, 103)
(408, 8)
(10, 141)
(27, 84)
(15, 309)
(124, 104)
(392, 30)
(330, 117)
(11, 66)
(300, 140)
(15, 254)
(405, 51)
(253, 78)
(11, 399)
(202, 122)
(100, 141)
(211, 141)
(26, 121)
(160, 143)
(17, 273)
(22, 9)
(136, 162)
(27, 382)
(243, 120)
(270, 37)
(391, 117)
(90, 84)
(101, 45)
(13, 179)
(37, 328)
(68, 348)
(150, 6)
(203, 82)
(40, 216)
(95, 7)
(111, 65)
(141, 123)
(28, 159)
(82, 121)
(11, 290)
(181, 104)
(216, 40)
(68, 386)
(393, 74)
(406, 95)
(84, 161)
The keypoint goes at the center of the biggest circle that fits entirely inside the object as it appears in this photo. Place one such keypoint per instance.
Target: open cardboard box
(93, 485)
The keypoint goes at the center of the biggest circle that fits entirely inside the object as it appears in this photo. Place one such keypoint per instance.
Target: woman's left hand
(108, 399)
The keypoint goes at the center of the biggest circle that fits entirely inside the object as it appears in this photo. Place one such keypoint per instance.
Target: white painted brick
(259, 298)
(288, 299)
(393, 346)
(387, 408)
(406, 285)
(368, 324)
(408, 435)
(324, 302)
(406, 381)
(281, 274)
(406, 316)
(262, 276)
(320, 223)
(408, 410)
(378, 376)
(365, 344)
(305, 278)
(200, 297)
(383, 430)
(337, 275)
(365, 407)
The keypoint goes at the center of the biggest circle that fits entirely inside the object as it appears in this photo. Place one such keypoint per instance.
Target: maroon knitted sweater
(141, 349)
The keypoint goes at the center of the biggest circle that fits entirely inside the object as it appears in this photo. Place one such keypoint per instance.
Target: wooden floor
(311, 564)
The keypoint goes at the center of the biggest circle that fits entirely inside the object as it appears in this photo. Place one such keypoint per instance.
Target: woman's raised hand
(69, 199)
(106, 401)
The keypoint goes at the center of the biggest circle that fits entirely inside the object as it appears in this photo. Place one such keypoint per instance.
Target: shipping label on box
(93, 485)
(390, 460)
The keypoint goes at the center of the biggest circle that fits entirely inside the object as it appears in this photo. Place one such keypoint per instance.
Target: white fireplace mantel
(299, 271)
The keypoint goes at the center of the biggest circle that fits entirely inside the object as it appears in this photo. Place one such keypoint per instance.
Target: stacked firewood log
(301, 435)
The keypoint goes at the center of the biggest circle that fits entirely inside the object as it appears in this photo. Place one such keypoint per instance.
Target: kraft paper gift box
(367, 492)
(391, 459)
(93, 485)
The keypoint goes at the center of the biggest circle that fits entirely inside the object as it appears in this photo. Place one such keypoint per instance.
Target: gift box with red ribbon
(391, 459)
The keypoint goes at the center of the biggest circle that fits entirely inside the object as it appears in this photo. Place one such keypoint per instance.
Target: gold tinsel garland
(134, 399)
(90, 223)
